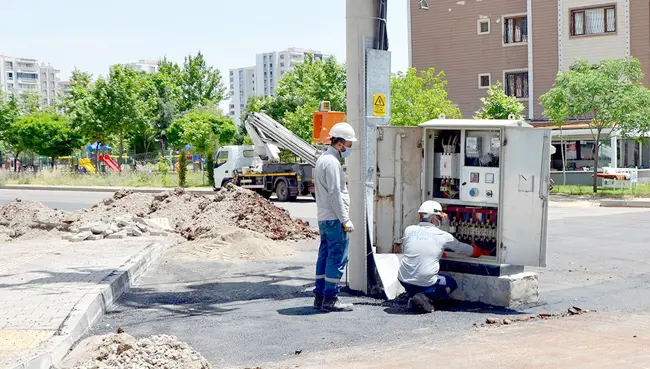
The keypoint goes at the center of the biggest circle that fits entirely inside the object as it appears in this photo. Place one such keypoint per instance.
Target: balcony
(27, 67)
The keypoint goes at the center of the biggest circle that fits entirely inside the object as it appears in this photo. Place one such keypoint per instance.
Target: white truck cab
(231, 158)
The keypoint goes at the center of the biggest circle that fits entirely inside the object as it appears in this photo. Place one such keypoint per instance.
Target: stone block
(67, 236)
(159, 223)
(157, 232)
(95, 237)
(81, 236)
(505, 291)
(99, 228)
(117, 235)
(142, 228)
(136, 232)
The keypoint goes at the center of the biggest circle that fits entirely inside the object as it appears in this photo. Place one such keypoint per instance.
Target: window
(484, 80)
(517, 84)
(249, 153)
(593, 21)
(282, 65)
(281, 56)
(515, 30)
(10, 76)
(222, 158)
(483, 27)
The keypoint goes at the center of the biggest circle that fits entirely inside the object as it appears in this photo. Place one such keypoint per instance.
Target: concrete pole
(360, 24)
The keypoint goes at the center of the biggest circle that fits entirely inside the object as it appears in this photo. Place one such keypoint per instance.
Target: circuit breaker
(490, 176)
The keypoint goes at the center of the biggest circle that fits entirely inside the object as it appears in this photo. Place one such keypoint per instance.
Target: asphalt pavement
(248, 314)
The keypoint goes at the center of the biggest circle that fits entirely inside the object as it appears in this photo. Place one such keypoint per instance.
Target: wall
(445, 38)
(640, 34)
(593, 48)
(545, 50)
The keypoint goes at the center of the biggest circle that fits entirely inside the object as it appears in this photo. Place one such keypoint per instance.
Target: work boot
(318, 301)
(334, 304)
(420, 304)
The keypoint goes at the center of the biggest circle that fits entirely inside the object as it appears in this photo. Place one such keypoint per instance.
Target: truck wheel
(266, 194)
(282, 191)
(225, 182)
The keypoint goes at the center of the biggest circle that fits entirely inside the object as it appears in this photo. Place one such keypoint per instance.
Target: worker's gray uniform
(333, 203)
(422, 246)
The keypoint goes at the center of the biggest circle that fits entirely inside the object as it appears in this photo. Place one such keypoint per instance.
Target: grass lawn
(125, 179)
(641, 190)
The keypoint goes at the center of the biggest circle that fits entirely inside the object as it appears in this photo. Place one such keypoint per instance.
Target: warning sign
(379, 105)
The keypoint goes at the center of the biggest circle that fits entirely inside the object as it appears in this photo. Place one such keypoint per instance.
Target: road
(258, 313)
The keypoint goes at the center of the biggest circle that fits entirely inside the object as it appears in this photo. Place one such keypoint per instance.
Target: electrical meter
(463, 165)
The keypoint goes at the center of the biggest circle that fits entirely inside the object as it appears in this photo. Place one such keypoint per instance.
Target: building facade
(262, 78)
(522, 43)
(25, 75)
(147, 66)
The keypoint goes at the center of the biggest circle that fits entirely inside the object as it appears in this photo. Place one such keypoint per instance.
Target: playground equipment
(85, 163)
(109, 162)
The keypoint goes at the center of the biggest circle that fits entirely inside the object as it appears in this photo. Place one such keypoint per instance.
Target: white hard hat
(343, 130)
(430, 207)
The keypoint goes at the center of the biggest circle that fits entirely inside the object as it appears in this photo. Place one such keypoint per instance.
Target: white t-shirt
(422, 246)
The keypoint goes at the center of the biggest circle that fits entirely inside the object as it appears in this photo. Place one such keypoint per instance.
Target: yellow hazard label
(379, 105)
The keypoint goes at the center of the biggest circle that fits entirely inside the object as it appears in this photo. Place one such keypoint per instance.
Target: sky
(92, 35)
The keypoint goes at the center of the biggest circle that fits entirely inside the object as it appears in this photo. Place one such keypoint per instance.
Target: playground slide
(87, 164)
(110, 162)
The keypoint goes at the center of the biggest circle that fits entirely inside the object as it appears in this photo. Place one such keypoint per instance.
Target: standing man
(423, 246)
(333, 203)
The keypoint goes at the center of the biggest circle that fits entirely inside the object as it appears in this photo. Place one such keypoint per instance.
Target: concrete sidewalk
(52, 291)
(199, 190)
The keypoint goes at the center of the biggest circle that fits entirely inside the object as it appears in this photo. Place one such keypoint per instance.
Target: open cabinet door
(398, 184)
(524, 196)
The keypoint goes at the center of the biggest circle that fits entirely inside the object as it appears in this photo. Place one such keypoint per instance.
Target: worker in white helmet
(423, 245)
(333, 203)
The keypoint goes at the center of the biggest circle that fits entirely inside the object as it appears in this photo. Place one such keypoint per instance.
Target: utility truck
(259, 167)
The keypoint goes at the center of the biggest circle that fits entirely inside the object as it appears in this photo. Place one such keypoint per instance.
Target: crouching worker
(423, 246)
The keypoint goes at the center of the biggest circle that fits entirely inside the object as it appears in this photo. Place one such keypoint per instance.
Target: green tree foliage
(609, 95)
(46, 134)
(201, 84)
(204, 130)
(419, 98)
(209, 159)
(120, 103)
(498, 105)
(300, 91)
(12, 108)
(182, 169)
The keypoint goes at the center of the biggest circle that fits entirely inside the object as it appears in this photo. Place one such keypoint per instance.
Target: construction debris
(574, 310)
(121, 350)
(128, 214)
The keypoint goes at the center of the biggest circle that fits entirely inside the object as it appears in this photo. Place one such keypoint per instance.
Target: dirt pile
(28, 220)
(235, 206)
(231, 243)
(193, 215)
(113, 351)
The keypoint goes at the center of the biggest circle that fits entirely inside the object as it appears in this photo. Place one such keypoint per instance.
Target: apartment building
(522, 43)
(21, 75)
(49, 85)
(262, 78)
(147, 66)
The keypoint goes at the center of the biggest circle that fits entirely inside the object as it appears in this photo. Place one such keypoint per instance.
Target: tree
(209, 159)
(416, 99)
(120, 104)
(12, 108)
(47, 134)
(167, 94)
(202, 129)
(182, 169)
(609, 95)
(498, 105)
(200, 83)
(300, 91)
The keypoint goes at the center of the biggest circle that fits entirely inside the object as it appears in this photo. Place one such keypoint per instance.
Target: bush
(182, 169)
(163, 168)
(209, 160)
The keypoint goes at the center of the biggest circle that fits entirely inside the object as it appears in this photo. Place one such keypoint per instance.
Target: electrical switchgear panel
(495, 194)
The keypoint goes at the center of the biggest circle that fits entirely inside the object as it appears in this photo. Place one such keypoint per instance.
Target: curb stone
(198, 190)
(91, 308)
(625, 203)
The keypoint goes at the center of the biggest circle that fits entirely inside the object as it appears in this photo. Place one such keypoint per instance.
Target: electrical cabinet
(490, 176)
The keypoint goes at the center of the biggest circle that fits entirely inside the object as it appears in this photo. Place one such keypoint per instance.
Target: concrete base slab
(505, 291)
